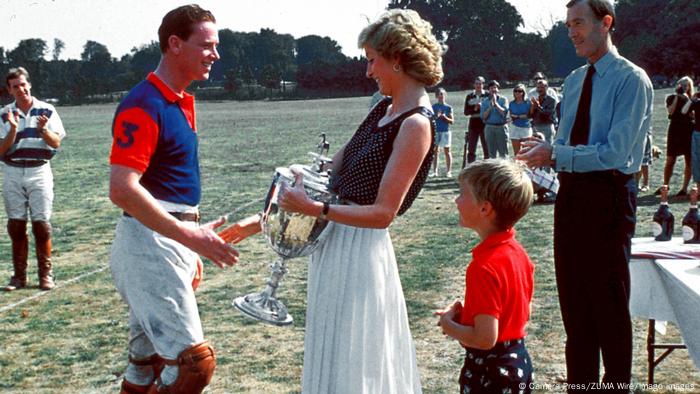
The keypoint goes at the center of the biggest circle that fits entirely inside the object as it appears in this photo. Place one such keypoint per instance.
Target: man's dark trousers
(476, 133)
(594, 219)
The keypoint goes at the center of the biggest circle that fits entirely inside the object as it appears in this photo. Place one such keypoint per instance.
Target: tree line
(482, 38)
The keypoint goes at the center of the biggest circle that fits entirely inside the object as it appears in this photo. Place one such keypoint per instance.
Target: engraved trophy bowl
(290, 235)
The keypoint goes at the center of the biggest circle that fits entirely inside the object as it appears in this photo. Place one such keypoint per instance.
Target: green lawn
(73, 339)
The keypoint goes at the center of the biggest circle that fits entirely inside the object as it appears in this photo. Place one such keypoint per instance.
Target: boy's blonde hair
(504, 184)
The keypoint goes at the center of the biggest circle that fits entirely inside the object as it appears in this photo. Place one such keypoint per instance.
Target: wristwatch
(324, 212)
(553, 157)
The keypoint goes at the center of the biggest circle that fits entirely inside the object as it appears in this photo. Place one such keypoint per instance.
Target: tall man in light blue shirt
(494, 112)
(605, 114)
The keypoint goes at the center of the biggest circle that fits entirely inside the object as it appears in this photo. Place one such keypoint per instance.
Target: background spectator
(543, 110)
(494, 112)
(533, 93)
(520, 114)
(647, 159)
(692, 108)
(680, 129)
(443, 137)
(475, 131)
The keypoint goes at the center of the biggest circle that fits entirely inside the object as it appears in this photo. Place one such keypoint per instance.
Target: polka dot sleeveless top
(367, 154)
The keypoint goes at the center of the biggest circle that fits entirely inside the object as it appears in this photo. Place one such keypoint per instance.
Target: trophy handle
(264, 306)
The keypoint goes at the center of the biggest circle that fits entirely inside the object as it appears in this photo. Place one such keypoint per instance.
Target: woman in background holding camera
(680, 130)
(357, 337)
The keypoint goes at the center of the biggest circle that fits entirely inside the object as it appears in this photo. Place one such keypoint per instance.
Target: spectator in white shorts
(443, 137)
(519, 110)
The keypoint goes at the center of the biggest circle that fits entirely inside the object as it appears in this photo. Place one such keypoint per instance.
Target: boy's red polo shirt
(500, 283)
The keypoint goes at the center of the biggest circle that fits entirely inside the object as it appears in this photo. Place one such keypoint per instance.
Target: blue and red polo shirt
(154, 132)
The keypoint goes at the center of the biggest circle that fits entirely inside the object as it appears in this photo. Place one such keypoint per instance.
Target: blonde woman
(357, 334)
(680, 131)
(519, 109)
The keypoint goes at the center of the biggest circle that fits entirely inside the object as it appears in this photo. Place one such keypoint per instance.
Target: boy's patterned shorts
(506, 368)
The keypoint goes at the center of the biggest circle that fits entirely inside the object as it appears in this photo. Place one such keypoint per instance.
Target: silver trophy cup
(290, 235)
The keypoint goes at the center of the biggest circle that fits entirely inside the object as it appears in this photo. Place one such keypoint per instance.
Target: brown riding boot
(42, 238)
(130, 388)
(156, 362)
(17, 229)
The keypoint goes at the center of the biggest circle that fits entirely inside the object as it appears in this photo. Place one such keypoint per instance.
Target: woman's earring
(396, 67)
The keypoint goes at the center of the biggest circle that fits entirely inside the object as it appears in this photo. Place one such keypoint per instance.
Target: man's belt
(181, 216)
(612, 175)
(26, 163)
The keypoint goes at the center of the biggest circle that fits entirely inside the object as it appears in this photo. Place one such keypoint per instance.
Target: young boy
(443, 139)
(494, 195)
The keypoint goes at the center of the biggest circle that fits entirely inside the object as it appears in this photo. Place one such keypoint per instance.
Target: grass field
(73, 339)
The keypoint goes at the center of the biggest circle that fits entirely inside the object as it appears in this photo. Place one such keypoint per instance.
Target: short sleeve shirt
(154, 132)
(678, 114)
(440, 125)
(500, 283)
(29, 145)
(522, 108)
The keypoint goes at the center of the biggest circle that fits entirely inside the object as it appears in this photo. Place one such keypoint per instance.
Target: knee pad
(196, 366)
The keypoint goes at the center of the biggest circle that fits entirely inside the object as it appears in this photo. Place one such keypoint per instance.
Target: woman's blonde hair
(689, 82)
(520, 87)
(403, 34)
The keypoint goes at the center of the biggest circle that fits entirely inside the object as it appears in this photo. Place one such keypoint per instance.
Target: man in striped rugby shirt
(30, 134)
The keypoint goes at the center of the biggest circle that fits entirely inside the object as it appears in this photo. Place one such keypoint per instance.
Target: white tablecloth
(665, 285)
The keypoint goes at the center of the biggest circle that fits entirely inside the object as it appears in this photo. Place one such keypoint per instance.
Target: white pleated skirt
(357, 334)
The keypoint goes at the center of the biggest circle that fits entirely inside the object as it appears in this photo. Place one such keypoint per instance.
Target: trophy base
(264, 308)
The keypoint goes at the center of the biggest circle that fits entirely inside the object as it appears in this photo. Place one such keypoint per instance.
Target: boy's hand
(449, 314)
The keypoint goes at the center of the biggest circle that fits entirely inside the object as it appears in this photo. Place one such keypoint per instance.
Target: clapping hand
(535, 153)
(41, 123)
(13, 118)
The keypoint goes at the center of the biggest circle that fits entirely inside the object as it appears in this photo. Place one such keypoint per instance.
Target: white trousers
(153, 274)
(29, 188)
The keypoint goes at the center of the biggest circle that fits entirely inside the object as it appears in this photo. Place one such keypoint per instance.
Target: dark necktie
(582, 124)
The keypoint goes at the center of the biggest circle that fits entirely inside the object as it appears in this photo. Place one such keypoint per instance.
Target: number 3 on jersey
(126, 140)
